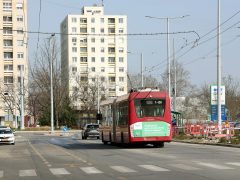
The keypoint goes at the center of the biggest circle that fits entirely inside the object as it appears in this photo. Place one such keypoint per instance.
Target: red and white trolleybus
(142, 116)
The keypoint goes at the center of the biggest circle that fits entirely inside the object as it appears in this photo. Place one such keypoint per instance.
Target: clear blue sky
(200, 61)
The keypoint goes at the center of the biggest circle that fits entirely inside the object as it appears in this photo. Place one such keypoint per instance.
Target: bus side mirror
(99, 116)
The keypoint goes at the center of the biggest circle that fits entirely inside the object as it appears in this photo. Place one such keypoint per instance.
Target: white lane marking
(153, 168)
(90, 170)
(234, 163)
(184, 167)
(215, 166)
(59, 171)
(30, 172)
(122, 169)
(1, 174)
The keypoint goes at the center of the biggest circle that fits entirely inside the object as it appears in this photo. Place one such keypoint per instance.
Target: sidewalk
(206, 142)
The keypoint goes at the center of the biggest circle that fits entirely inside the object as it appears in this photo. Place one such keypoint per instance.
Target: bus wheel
(159, 145)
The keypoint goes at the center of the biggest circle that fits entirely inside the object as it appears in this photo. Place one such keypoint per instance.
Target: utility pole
(98, 100)
(51, 80)
(219, 72)
(22, 97)
(168, 49)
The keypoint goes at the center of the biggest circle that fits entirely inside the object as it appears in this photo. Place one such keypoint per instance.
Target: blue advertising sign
(214, 113)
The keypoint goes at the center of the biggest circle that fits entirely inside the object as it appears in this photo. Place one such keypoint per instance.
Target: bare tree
(184, 87)
(39, 93)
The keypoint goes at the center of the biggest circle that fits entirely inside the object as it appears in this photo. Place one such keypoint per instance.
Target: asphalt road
(40, 156)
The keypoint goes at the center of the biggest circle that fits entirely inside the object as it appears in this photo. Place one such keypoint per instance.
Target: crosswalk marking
(122, 169)
(234, 163)
(29, 172)
(1, 174)
(90, 170)
(215, 166)
(184, 167)
(153, 168)
(59, 171)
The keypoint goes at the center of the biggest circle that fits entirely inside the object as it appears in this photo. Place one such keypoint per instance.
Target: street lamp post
(51, 79)
(168, 49)
(219, 72)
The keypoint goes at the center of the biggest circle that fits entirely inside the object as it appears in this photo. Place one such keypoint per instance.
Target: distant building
(94, 50)
(13, 53)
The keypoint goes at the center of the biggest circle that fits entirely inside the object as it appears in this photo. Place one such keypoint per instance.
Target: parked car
(7, 136)
(90, 130)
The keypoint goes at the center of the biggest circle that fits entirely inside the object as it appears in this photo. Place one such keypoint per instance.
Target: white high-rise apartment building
(94, 48)
(13, 53)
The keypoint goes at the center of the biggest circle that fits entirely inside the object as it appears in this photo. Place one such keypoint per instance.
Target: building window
(20, 55)
(102, 30)
(111, 30)
(83, 49)
(93, 40)
(83, 20)
(74, 70)
(93, 49)
(8, 55)
(102, 59)
(111, 59)
(111, 20)
(7, 43)
(74, 59)
(7, 19)
(92, 30)
(92, 20)
(93, 59)
(7, 30)
(74, 20)
(121, 30)
(121, 88)
(74, 29)
(84, 69)
(121, 69)
(121, 79)
(120, 20)
(19, 42)
(102, 20)
(102, 79)
(83, 40)
(102, 49)
(102, 40)
(93, 79)
(74, 39)
(102, 69)
(7, 6)
(84, 78)
(121, 59)
(74, 49)
(93, 69)
(111, 79)
(19, 6)
(20, 18)
(83, 30)
(121, 50)
(20, 30)
(111, 50)
(8, 79)
(8, 67)
(19, 67)
(83, 59)
(111, 89)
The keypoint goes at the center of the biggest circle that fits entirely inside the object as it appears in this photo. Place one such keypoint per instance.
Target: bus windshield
(149, 107)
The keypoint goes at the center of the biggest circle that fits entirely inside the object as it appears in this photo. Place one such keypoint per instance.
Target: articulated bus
(141, 117)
